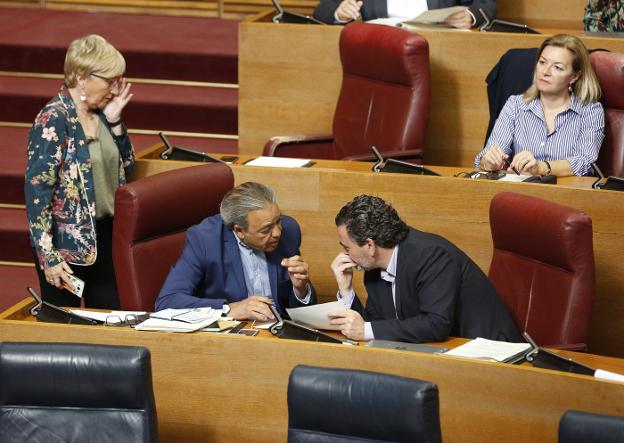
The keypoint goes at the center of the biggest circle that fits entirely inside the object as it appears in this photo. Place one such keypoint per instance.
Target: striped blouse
(577, 137)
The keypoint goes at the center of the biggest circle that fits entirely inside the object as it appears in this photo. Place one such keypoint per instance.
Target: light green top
(105, 166)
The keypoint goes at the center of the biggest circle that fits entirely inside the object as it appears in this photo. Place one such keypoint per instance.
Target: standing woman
(557, 125)
(78, 154)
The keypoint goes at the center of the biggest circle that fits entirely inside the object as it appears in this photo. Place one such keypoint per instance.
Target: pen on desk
(508, 163)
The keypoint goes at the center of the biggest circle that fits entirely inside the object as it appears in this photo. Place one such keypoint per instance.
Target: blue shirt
(256, 273)
(577, 136)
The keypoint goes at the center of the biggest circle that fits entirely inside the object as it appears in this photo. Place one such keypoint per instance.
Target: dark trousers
(100, 290)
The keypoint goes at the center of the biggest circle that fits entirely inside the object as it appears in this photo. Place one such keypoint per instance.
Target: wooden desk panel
(233, 388)
(457, 209)
(292, 89)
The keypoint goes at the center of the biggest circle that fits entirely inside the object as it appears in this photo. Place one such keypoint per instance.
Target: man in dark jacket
(421, 287)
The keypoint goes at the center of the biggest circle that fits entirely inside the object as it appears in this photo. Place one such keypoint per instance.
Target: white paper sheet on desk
(483, 349)
(157, 324)
(102, 316)
(436, 15)
(514, 178)
(279, 162)
(606, 375)
(316, 316)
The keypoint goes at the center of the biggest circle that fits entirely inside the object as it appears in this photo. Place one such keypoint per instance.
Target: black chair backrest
(582, 427)
(65, 392)
(339, 405)
(512, 75)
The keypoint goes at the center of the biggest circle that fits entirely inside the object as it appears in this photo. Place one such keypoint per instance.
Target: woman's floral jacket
(60, 199)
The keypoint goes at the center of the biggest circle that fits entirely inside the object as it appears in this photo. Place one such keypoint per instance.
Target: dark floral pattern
(60, 199)
(604, 15)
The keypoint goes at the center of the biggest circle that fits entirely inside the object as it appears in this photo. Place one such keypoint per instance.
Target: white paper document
(606, 375)
(157, 324)
(279, 162)
(514, 178)
(436, 15)
(316, 316)
(489, 350)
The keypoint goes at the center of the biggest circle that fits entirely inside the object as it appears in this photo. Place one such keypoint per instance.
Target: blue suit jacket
(210, 270)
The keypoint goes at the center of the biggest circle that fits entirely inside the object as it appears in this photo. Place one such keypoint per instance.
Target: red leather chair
(543, 267)
(384, 100)
(151, 218)
(609, 67)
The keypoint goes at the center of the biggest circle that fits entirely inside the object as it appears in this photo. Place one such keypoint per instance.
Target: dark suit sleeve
(185, 276)
(428, 293)
(324, 11)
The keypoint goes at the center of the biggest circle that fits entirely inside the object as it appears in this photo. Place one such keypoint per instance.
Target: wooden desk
(457, 209)
(233, 388)
(292, 89)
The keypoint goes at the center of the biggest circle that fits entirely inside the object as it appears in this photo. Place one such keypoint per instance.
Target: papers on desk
(280, 162)
(437, 15)
(606, 375)
(434, 18)
(180, 320)
(514, 178)
(490, 350)
(195, 315)
(316, 316)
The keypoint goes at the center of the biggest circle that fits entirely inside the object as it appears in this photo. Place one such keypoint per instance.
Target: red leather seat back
(543, 266)
(151, 218)
(385, 95)
(609, 67)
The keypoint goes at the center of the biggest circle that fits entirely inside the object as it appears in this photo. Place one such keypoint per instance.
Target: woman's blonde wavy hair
(92, 54)
(586, 88)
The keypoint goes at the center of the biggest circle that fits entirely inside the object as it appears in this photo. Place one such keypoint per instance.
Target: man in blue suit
(242, 260)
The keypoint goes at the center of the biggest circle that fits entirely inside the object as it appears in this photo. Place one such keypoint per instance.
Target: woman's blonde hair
(92, 54)
(586, 87)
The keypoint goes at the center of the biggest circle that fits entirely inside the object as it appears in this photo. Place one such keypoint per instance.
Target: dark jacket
(440, 292)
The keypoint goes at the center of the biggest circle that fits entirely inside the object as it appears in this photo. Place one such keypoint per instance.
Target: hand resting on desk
(256, 307)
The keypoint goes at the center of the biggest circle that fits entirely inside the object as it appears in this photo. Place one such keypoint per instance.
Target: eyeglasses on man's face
(112, 81)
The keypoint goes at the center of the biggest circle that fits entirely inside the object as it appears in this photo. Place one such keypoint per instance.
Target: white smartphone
(78, 285)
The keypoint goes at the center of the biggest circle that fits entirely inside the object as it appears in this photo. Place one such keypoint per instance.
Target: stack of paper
(180, 320)
(491, 350)
(279, 162)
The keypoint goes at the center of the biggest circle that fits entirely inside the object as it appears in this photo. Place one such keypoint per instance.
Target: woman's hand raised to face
(115, 106)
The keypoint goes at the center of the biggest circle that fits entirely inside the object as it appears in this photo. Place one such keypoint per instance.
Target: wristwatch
(226, 309)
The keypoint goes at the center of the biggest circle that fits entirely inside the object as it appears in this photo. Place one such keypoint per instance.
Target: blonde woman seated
(557, 125)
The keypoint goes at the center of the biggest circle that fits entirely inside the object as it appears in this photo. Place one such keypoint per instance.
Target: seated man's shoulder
(208, 226)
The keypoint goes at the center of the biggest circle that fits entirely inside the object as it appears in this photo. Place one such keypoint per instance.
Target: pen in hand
(508, 164)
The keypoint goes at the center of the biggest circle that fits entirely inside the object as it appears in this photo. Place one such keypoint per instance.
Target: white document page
(606, 375)
(492, 350)
(513, 178)
(279, 162)
(157, 324)
(437, 15)
(316, 316)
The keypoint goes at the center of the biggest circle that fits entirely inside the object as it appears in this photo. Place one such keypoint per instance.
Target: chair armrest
(285, 145)
(411, 155)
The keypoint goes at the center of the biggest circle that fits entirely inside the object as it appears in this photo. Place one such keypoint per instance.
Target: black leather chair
(583, 427)
(341, 405)
(64, 392)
